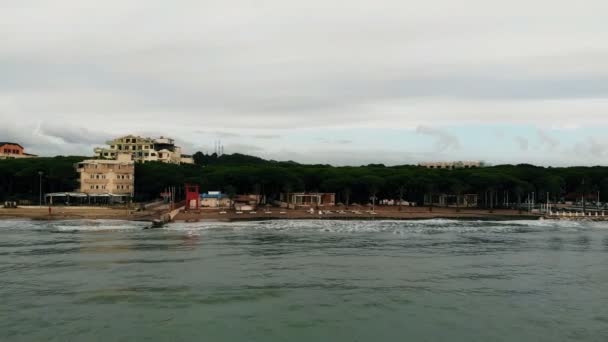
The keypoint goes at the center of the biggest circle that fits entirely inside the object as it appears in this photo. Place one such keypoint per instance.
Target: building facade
(294, 200)
(453, 165)
(107, 177)
(215, 199)
(11, 150)
(145, 150)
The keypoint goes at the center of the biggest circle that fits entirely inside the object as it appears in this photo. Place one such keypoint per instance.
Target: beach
(355, 213)
(74, 213)
(333, 213)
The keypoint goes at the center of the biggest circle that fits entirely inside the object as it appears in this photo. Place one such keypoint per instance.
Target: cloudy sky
(340, 82)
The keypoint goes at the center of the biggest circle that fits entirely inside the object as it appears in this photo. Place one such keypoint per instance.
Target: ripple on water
(343, 280)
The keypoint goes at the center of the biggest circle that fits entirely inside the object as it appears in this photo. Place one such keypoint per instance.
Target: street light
(40, 173)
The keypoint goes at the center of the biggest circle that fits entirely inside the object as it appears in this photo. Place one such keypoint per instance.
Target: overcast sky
(341, 82)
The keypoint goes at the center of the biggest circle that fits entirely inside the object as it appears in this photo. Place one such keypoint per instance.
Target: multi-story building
(114, 177)
(145, 150)
(453, 165)
(11, 150)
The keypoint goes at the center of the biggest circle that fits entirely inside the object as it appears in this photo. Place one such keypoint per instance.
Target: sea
(430, 280)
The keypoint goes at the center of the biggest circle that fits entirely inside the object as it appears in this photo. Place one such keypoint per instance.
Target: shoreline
(216, 215)
(76, 213)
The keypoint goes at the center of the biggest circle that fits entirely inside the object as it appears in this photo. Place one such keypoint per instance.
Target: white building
(145, 150)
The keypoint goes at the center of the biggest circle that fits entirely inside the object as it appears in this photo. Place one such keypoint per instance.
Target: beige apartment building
(107, 177)
(145, 150)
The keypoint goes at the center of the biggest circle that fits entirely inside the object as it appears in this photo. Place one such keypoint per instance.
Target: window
(96, 186)
(92, 187)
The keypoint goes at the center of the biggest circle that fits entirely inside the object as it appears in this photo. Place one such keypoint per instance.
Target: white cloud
(444, 141)
(523, 143)
(253, 70)
(547, 140)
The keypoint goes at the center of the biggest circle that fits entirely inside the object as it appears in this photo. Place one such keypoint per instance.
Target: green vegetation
(246, 174)
(19, 178)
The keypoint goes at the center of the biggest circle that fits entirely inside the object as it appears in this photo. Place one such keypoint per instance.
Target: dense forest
(237, 173)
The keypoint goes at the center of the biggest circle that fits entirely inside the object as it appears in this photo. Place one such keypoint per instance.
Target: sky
(337, 82)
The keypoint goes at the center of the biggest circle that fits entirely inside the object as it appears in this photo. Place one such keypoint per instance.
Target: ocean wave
(427, 227)
(95, 225)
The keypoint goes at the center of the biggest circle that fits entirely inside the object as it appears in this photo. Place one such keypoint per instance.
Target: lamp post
(40, 173)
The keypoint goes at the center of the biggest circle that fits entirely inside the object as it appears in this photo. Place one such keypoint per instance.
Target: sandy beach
(74, 213)
(353, 213)
(361, 213)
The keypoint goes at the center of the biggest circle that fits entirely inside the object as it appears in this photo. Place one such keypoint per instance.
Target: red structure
(193, 198)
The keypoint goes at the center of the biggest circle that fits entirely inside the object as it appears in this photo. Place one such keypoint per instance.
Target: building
(145, 150)
(451, 200)
(215, 199)
(107, 178)
(11, 150)
(453, 165)
(294, 200)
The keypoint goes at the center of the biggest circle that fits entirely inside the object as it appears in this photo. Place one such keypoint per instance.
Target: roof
(9, 143)
(107, 161)
(213, 196)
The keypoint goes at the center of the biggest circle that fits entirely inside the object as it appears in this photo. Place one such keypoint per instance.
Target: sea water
(435, 280)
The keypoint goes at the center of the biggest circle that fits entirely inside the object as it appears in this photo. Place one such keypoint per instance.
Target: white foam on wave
(399, 227)
(97, 225)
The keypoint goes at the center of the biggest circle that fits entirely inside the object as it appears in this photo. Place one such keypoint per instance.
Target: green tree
(230, 191)
(373, 185)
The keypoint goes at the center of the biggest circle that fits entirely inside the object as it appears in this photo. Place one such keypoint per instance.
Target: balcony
(94, 181)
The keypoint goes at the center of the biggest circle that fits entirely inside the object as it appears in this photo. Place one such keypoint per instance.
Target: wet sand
(361, 213)
(353, 213)
(75, 213)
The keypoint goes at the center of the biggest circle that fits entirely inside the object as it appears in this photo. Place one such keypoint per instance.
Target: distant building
(302, 199)
(215, 199)
(11, 150)
(145, 150)
(451, 200)
(453, 165)
(110, 178)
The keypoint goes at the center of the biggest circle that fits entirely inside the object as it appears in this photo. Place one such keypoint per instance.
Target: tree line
(237, 173)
